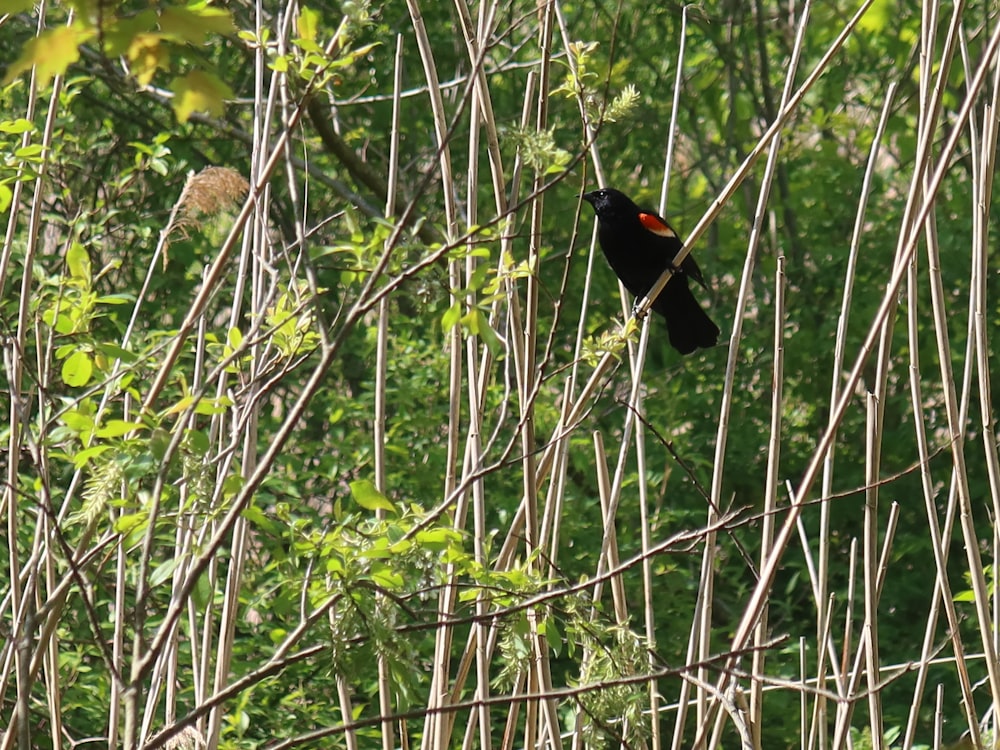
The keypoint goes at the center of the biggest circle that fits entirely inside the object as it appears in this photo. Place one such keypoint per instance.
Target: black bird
(640, 246)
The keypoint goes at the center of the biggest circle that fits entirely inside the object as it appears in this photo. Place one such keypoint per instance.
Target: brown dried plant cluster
(208, 193)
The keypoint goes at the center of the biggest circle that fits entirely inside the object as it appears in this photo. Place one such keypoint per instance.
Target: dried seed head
(211, 191)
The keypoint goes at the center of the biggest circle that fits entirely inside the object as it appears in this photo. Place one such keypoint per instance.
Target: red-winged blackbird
(640, 246)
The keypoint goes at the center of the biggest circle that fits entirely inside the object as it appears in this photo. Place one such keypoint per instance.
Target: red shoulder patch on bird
(656, 225)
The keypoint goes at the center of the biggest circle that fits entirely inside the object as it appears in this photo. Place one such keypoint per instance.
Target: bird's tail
(688, 326)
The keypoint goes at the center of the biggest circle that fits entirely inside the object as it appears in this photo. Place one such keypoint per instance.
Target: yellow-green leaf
(489, 335)
(193, 24)
(16, 126)
(15, 6)
(387, 578)
(451, 317)
(878, 16)
(78, 261)
(50, 53)
(183, 405)
(128, 523)
(117, 427)
(199, 91)
(162, 572)
(308, 23)
(82, 458)
(77, 369)
(369, 498)
(147, 55)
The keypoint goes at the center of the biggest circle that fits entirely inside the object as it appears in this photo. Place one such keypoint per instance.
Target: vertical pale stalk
(938, 717)
(541, 680)
(803, 697)
(770, 491)
(385, 701)
(870, 544)
(473, 438)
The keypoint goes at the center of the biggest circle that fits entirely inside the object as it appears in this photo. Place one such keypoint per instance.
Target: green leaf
(128, 523)
(15, 6)
(114, 299)
(878, 16)
(83, 457)
(162, 572)
(16, 126)
(78, 261)
(369, 498)
(77, 369)
(260, 519)
(192, 24)
(308, 23)
(31, 152)
(79, 420)
(147, 55)
(451, 317)
(209, 407)
(387, 578)
(438, 539)
(488, 334)
(198, 442)
(50, 53)
(199, 91)
(183, 405)
(159, 441)
(118, 427)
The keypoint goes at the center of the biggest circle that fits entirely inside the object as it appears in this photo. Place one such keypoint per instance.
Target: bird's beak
(589, 197)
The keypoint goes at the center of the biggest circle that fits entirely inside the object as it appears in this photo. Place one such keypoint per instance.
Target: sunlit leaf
(16, 126)
(147, 55)
(15, 6)
(199, 91)
(77, 369)
(878, 16)
(192, 24)
(82, 458)
(78, 261)
(488, 334)
(117, 427)
(364, 493)
(126, 524)
(451, 317)
(308, 23)
(51, 53)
